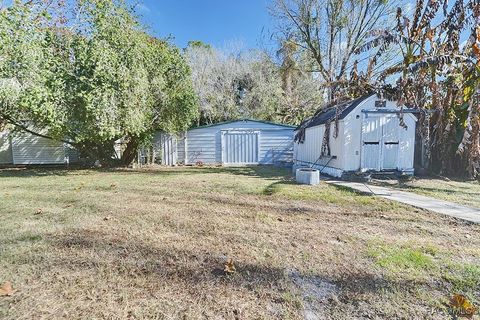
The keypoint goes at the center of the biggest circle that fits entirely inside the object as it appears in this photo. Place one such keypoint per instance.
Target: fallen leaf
(462, 306)
(6, 289)
(230, 267)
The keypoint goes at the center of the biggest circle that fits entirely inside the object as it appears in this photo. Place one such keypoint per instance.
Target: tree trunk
(130, 152)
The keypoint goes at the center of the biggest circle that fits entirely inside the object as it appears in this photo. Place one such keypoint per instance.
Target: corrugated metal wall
(274, 144)
(169, 150)
(181, 139)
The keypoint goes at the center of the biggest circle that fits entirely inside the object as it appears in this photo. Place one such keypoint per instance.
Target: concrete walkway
(440, 206)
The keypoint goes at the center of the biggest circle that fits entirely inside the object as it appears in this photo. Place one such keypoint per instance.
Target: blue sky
(216, 22)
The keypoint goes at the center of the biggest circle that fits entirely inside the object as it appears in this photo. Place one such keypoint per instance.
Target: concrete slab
(440, 206)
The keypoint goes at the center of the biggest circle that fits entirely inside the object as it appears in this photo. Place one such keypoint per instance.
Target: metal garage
(242, 142)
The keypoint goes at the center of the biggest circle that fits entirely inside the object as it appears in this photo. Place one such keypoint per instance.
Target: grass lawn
(152, 244)
(462, 192)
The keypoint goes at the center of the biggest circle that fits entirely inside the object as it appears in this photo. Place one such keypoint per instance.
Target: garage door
(240, 147)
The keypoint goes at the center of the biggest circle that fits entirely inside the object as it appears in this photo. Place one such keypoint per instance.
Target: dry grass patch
(152, 244)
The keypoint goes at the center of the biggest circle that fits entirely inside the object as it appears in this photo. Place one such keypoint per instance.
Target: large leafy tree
(98, 77)
(29, 85)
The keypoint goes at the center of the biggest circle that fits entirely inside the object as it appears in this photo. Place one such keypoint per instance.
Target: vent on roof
(380, 104)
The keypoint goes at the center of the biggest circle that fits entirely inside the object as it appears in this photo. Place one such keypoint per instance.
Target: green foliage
(94, 80)
(24, 78)
(198, 44)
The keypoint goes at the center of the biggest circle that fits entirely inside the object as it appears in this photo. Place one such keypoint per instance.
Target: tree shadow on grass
(36, 171)
(264, 172)
(277, 186)
(135, 257)
(351, 191)
(77, 250)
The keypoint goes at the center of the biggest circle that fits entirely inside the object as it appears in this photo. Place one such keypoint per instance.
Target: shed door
(390, 142)
(371, 141)
(240, 147)
(380, 139)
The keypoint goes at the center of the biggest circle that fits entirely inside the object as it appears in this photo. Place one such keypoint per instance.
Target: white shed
(366, 134)
(22, 148)
(241, 142)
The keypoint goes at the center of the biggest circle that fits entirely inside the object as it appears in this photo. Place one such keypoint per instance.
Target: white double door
(380, 142)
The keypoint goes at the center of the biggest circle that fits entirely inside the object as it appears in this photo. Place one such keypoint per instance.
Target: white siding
(5, 148)
(353, 135)
(309, 152)
(202, 145)
(348, 145)
(407, 144)
(31, 149)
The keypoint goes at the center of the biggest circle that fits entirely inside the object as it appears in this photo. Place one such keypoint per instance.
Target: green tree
(94, 79)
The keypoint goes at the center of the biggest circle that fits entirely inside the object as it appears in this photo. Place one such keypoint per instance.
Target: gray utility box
(307, 176)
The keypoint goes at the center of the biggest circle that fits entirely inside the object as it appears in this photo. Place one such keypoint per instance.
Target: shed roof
(245, 120)
(324, 115)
